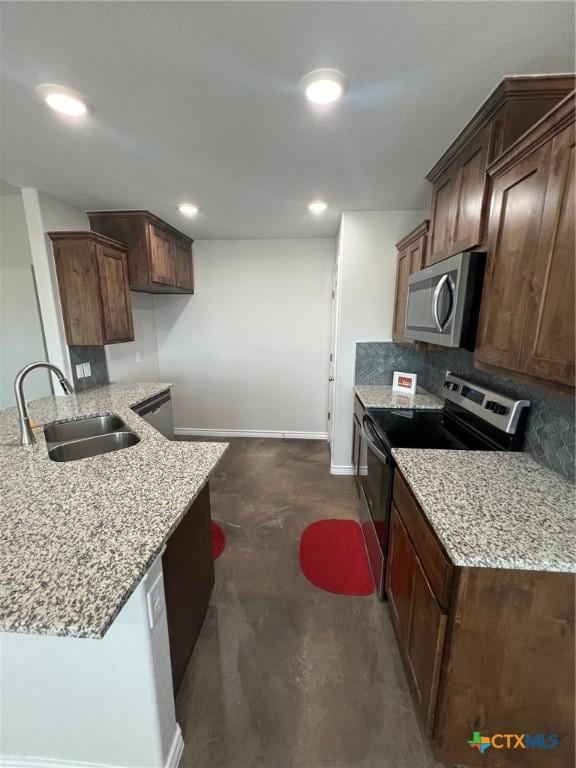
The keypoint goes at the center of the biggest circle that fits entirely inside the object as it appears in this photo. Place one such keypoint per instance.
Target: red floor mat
(218, 540)
(333, 557)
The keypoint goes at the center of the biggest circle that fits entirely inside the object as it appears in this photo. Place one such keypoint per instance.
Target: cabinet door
(442, 218)
(162, 266)
(183, 256)
(77, 271)
(410, 259)
(549, 341)
(515, 216)
(471, 193)
(402, 274)
(188, 568)
(425, 645)
(115, 295)
(400, 577)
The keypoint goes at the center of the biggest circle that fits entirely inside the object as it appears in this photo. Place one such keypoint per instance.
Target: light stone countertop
(382, 396)
(494, 510)
(77, 537)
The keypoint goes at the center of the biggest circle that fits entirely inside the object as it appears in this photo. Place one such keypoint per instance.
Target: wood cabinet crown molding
(541, 132)
(152, 218)
(88, 235)
(416, 233)
(510, 89)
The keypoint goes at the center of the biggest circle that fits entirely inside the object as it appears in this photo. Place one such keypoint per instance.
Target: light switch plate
(139, 359)
(80, 371)
(155, 598)
(87, 370)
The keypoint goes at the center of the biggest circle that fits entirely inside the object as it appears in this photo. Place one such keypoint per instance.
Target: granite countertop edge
(517, 529)
(382, 396)
(21, 612)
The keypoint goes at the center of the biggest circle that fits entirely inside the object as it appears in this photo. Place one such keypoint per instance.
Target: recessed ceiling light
(318, 207)
(64, 100)
(324, 86)
(187, 209)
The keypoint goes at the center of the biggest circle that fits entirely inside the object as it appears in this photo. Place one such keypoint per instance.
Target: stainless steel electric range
(473, 419)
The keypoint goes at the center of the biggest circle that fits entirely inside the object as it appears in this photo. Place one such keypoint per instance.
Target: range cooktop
(474, 418)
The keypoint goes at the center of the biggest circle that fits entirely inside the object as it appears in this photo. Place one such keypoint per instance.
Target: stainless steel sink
(93, 446)
(79, 429)
(92, 436)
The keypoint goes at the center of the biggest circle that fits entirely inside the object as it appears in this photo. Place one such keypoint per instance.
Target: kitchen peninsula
(84, 634)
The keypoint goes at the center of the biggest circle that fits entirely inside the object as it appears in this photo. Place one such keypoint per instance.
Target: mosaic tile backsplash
(96, 356)
(550, 435)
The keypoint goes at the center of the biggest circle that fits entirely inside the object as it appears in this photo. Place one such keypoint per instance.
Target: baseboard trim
(289, 435)
(20, 761)
(342, 469)
(175, 754)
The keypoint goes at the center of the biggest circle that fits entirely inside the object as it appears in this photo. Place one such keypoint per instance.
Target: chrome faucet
(26, 434)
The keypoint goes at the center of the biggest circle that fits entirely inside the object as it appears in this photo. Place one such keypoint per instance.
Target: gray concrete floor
(285, 675)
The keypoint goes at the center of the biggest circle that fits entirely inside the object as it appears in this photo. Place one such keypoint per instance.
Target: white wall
(21, 339)
(45, 213)
(365, 298)
(136, 360)
(79, 702)
(249, 351)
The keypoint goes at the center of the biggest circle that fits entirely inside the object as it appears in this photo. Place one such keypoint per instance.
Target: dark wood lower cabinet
(495, 654)
(419, 621)
(188, 568)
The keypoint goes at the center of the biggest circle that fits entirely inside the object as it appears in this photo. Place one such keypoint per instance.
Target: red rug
(218, 540)
(333, 557)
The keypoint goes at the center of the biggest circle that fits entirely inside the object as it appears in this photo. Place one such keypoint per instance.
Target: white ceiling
(199, 101)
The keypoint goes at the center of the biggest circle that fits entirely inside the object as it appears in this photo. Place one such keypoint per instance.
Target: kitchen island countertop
(493, 509)
(77, 537)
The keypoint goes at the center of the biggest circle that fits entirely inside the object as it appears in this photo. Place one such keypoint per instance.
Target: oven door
(376, 476)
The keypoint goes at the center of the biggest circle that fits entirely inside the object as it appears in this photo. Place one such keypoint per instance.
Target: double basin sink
(91, 436)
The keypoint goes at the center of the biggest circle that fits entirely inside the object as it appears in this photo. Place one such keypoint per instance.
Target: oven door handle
(376, 451)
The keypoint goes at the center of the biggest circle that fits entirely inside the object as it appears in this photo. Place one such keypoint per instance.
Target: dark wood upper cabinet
(92, 277)
(411, 254)
(527, 316)
(159, 256)
(460, 182)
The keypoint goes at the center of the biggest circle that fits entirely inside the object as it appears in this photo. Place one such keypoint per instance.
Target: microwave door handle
(435, 299)
(383, 458)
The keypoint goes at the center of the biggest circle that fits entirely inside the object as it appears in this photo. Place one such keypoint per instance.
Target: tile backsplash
(96, 356)
(550, 435)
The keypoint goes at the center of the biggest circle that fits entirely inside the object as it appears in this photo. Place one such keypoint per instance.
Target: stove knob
(501, 410)
(490, 405)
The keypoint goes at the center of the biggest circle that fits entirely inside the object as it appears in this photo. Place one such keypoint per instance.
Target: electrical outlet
(79, 371)
(87, 370)
(155, 598)
(139, 359)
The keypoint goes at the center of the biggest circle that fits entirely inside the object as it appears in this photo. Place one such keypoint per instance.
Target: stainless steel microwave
(443, 301)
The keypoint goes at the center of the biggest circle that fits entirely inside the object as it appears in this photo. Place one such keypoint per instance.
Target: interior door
(332, 361)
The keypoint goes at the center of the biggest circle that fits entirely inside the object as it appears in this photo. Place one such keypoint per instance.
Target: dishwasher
(157, 411)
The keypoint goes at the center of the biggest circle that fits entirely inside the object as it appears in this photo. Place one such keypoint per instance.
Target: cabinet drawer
(438, 568)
